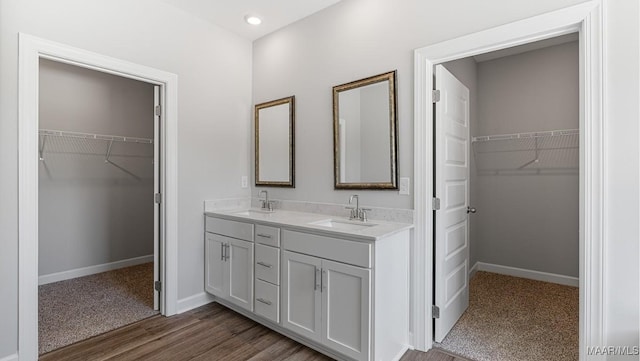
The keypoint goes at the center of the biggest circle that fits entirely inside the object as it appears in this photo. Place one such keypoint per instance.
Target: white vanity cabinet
(346, 295)
(328, 302)
(350, 296)
(267, 272)
(229, 261)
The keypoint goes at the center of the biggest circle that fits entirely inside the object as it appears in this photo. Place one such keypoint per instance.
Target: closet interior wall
(527, 211)
(93, 211)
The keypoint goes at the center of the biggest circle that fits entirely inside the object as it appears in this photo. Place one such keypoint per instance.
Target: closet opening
(99, 214)
(506, 172)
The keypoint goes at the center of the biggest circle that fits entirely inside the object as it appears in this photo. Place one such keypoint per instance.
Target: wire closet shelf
(548, 133)
(522, 153)
(115, 138)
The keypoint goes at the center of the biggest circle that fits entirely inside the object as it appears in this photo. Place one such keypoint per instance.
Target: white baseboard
(473, 270)
(401, 353)
(13, 357)
(195, 301)
(525, 273)
(86, 271)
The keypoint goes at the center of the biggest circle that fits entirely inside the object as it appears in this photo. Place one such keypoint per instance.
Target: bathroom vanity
(338, 286)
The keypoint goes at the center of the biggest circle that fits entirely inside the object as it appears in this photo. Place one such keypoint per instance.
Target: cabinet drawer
(268, 235)
(267, 300)
(268, 264)
(225, 227)
(341, 250)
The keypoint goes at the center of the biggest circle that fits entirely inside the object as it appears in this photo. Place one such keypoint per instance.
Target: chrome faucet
(265, 202)
(357, 213)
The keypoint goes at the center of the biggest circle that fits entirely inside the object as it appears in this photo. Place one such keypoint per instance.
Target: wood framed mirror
(274, 143)
(365, 133)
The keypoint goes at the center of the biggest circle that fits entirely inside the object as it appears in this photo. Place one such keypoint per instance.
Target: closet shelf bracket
(106, 157)
(44, 142)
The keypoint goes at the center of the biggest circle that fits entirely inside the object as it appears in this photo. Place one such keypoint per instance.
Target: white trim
(195, 301)
(399, 355)
(91, 270)
(31, 49)
(473, 270)
(587, 19)
(528, 274)
(13, 357)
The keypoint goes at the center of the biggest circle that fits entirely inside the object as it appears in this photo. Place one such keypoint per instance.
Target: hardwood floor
(211, 332)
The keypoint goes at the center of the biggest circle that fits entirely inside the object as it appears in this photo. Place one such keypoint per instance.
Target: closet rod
(116, 138)
(547, 133)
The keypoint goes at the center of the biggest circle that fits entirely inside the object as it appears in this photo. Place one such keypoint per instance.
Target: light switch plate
(245, 181)
(404, 185)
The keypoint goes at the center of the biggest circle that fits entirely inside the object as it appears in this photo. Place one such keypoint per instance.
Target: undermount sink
(253, 212)
(342, 225)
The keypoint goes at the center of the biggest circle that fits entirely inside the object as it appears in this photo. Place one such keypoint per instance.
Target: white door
(240, 263)
(216, 266)
(156, 189)
(301, 297)
(452, 187)
(346, 309)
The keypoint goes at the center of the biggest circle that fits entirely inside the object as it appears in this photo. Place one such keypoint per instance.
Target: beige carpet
(516, 319)
(76, 309)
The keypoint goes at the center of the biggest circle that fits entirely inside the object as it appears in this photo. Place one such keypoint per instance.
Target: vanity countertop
(371, 230)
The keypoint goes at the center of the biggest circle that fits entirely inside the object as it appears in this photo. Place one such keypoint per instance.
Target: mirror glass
(365, 136)
(274, 137)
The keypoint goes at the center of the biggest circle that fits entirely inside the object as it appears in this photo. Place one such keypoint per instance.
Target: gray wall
(525, 219)
(91, 212)
(358, 38)
(214, 107)
(351, 40)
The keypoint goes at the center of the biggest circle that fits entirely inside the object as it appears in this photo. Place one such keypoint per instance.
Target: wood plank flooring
(211, 332)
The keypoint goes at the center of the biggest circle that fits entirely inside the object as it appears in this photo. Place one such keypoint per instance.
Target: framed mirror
(274, 148)
(365, 133)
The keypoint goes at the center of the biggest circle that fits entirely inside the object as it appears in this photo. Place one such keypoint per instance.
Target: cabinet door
(240, 263)
(301, 298)
(215, 266)
(346, 309)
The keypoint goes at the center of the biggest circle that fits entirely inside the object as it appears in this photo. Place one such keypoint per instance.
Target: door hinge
(435, 95)
(157, 198)
(435, 205)
(435, 311)
(158, 110)
(157, 285)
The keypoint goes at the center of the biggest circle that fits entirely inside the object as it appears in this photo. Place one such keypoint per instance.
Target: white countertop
(305, 222)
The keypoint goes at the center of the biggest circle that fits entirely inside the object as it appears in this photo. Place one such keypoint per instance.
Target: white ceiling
(229, 14)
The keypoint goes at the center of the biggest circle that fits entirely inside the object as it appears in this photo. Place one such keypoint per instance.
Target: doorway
(586, 19)
(98, 223)
(507, 176)
(33, 49)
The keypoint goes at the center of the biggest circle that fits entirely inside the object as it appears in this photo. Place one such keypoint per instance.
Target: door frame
(587, 19)
(31, 50)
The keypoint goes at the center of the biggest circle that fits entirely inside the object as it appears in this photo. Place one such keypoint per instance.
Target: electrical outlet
(245, 181)
(404, 186)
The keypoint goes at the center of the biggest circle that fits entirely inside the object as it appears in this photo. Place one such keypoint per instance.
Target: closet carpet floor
(516, 319)
(76, 309)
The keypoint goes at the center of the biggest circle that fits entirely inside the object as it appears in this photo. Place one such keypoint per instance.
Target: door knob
(471, 210)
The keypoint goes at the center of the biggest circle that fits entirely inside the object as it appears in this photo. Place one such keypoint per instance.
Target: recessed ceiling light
(253, 20)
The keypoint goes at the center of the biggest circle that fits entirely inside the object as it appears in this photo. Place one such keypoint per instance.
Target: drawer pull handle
(268, 303)
(264, 235)
(265, 264)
